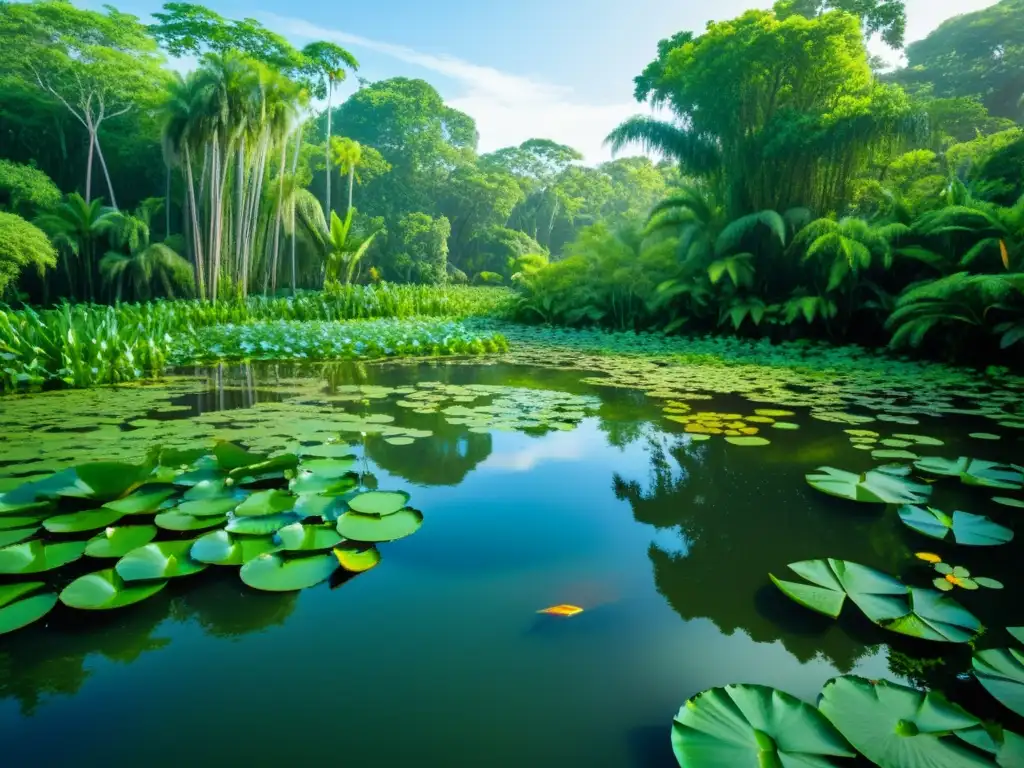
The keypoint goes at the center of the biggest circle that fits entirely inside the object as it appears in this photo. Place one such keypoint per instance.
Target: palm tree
(144, 259)
(992, 234)
(347, 154)
(339, 252)
(327, 62)
(697, 155)
(75, 226)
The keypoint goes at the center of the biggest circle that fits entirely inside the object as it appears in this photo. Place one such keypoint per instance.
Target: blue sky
(559, 69)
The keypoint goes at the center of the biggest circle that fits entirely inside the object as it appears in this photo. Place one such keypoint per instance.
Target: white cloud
(560, 446)
(508, 108)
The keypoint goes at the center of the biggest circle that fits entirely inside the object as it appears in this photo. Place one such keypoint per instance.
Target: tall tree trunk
(239, 206)
(272, 275)
(330, 92)
(88, 166)
(351, 182)
(295, 165)
(197, 242)
(167, 203)
(103, 165)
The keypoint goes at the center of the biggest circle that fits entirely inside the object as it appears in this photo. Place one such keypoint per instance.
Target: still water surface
(437, 657)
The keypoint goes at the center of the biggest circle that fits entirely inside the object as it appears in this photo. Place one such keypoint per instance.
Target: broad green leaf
(753, 726)
(328, 451)
(275, 466)
(108, 480)
(261, 525)
(328, 468)
(21, 613)
(307, 538)
(273, 573)
(878, 595)
(973, 471)
(160, 560)
(17, 534)
(371, 528)
(142, 502)
(872, 486)
(935, 616)
(230, 456)
(899, 727)
(357, 557)
(119, 541)
(222, 548)
(968, 529)
(1001, 671)
(77, 522)
(746, 440)
(261, 503)
(214, 506)
(36, 557)
(173, 520)
(379, 503)
(11, 592)
(105, 590)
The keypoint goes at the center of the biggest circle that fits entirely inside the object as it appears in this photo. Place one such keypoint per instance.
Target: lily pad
(309, 483)
(108, 480)
(899, 727)
(221, 548)
(918, 439)
(142, 502)
(357, 557)
(328, 451)
(984, 436)
(371, 528)
(973, 471)
(878, 595)
(17, 611)
(118, 542)
(105, 590)
(230, 456)
(1001, 672)
(160, 560)
(273, 573)
(968, 529)
(275, 466)
(935, 616)
(873, 486)
(745, 440)
(261, 525)
(77, 522)
(379, 503)
(214, 506)
(307, 538)
(753, 725)
(36, 557)
(262, 503)
(18, 534)
(174, 520)
(1007, 501)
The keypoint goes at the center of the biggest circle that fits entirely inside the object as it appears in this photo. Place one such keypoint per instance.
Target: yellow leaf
(928, 557)
(1005, 254)
(954, 580)
(562, 610)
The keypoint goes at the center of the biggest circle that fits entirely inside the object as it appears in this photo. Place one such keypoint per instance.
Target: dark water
(438, 658)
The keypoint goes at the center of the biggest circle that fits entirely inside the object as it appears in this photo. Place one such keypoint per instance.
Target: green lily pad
(275, 466)
(785, 425)
(411, 440)
(895, 418)
(328, 468)
(208, 488)
(371, 528)
(746, 440)
(968, 529)
(1001, 672)
(11, 592)
(893, 454)
(984, 436)
(105, 590)
(355, 557)
(935, 616)
(753, 725)
(262, 503)
(305, 483)
(77, 522)
(878, 595)
(174, 520)
(873, 486)
(772, 412)
(918, 439)
(307, 538)
(142, 502)
(11, 522)
(328, 451)
(230, 456)
(160, 560)
(988, 474)
(18, 534)
(899, 727)
(36, 557)
(17, 613)
(273, 573)
(1017, 632)
(221, 548)
(118, 542)
(261, 525)
(107, 480)
(1007, 501)
(214, 506)
(893, 442)
(379, 503)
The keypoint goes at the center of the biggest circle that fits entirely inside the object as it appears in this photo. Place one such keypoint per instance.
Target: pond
(538, 486)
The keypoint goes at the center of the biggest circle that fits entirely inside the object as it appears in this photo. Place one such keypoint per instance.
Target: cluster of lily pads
(365, 339)
(290, 521)
(736, 428)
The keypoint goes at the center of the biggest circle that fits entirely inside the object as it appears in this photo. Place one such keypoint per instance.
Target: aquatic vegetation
(974, 471)
(958, 576)
(874, 486)
(285, 531)
(1001, 672)
(973, 530)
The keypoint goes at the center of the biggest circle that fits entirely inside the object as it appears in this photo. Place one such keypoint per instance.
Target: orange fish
(562, 610)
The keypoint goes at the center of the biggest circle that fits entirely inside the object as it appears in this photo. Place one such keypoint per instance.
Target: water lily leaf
(328, 468)
(984, 436)
(160, 560)
(785, 425)
(747, 441)
(1001, 672)
(328, 451)
(968, 529)
(20, 613)
(273, 573)
(221, 548)
(186, 457)
(873, 486)
(36, 557)
(1008, 502)
(175, 520)
(230, 456)
(11, 592)
(307, 538)
(76, 522)
(118, 542)
(899, 727)
(208, 488)
(410, 440)
(371, 528)
(261, 525)
(10, 522)
(108, 480)
(355, 557)
(918, 439)
(261, 503)
(893, 454)
(753, 725)
(772, 412)
(985, 581)
(142, 502)
(878, 595)
(1017, 632)
(214, 506)
(106, 590)
(379, 503)
(275, 466)
(18, 534)
(973, 471)
(935, 616)
(894, 418)
(309, 483)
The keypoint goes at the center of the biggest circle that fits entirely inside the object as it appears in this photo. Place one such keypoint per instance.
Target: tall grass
(86, 345)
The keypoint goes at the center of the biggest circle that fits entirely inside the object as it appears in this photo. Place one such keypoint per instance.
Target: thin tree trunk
(88, 165)
(239, 207)
(103, 165)
(295, 165)
(197, 241)
(330, 92)
(277, 219)
(351, 183)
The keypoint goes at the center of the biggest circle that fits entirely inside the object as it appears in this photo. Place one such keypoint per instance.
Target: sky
(557, 69)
